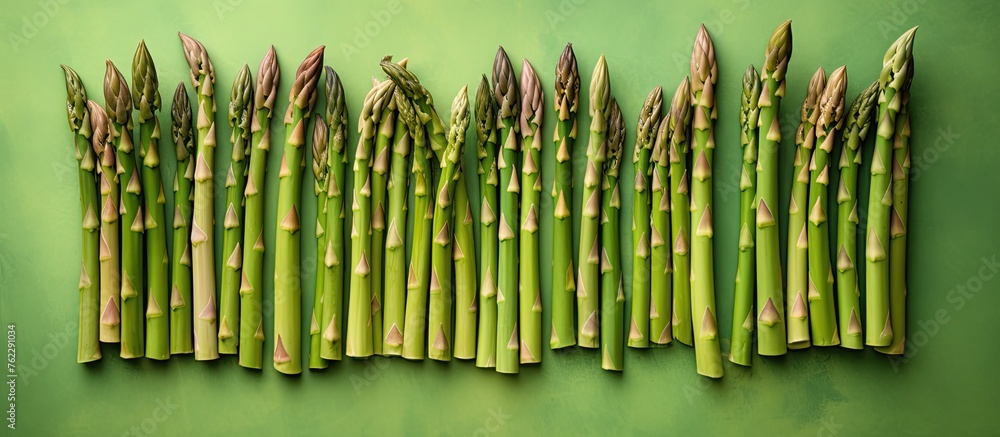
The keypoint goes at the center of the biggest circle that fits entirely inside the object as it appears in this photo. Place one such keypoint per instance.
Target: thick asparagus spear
(206, 345)
(394, 294)
(645, 136)
(680, 216)
(588, 275)
(464, 254)
(321, 171)
(88, 343)
(333, 277)
(770, 302)
(612, 285)
(252, 286)
(508, 99)
(182, 133)
(740, 351)
(489, 243)
(567, 103)
(530, 288)
(109, 257)
(380, 171)
(848, 291)
(118, 101)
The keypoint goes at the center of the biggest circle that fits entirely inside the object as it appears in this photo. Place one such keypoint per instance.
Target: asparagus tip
(181, 127)
(117, 97)
(779, 49)
(649, 119)
(303, 92)
(505, 90)
(485, 111)
(145, 85)
(239, 103)
(832, 101)
(76, 103)
(600, 87)
(703, 64)
(267, 81)
(567, 99)
(532, 99)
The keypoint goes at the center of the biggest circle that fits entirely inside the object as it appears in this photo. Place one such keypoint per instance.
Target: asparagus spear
(380, 170)
(848, 292)
(530, 296)
(508, 100)
(680, 217)
(252, 284)
(88, 343)
(118, 101)
(109, 256)
(896, 71)
(770, 303)
(182, 133)
(202, 226)
(642, 280)
(743, 321)
(612, 285)
(821, 305)
(394, 292)
(486, 130)
(798, 210)
(240, 101)
(321, 169)
(567, 103)
(464, 255)
(587, 290)
(287, 272)
(146, 100)
(333, 277)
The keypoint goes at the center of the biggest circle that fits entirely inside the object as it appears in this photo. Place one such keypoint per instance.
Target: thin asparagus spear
(530, 291)
(645, 136)
(661, 283)
(821, 306)
(508, 99)
(612, 285)
(88, 342)
(118, 101)
(567, 103)
(182, 133)
(394, 293)
(333, 277)
(740, 351)
(680, 215)
(146, 99)
(464, 255)
(109, 258)
(848, 291)
(798, 210)
(771, 339)
(206, 345)
(240, 102)
(380, 170)
(321, 169)
(486, 130)
(252, 286)
(588, 276)
(896, 71)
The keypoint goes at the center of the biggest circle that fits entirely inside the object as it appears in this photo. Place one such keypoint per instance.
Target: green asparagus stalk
(109, 256)
(118, 102)
(252, 284)
(380, 171)
(821, 306)
(530, 292)
(486, 131)
(182, 133)
(771, 338)
(895, 76)
(508, 99)
(321, 171)
(848, 291)
(206, 345)
(680, 215)
(287, 240)
(642, 280)
(394, 293)
(88, 342)
(464, 254)
(146, 100)
(612, 285)
(567, 103)
(588, 276)
(661, 283)
(333, 277)
(740, 351)
(240, 109)
(798, 210)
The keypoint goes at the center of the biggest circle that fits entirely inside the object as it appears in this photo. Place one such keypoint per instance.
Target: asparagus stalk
(380, 170)
(612, 285)
(567, 103)
(88, 342)
(743, 321)
(333, 277)
(508, 100)
(287, 240)
(252, 284)
(821, 305)
(486, 131)
(848, 291)
(530, 296)
(109, 256)
(642, 280)
(395, 242)
(464, 254)
(118, 101)
(321, 169)
(798, 210)
(182, 133)
(202, 229)
(661, 299)
(680, 216)
(240, 102)
(588, 276)
(895, 76)
(146, 100)
(770, 302)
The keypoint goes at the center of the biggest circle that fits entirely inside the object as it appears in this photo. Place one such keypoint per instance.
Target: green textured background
(948, 385)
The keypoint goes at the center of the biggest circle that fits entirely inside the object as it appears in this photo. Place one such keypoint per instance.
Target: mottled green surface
(949, 386)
